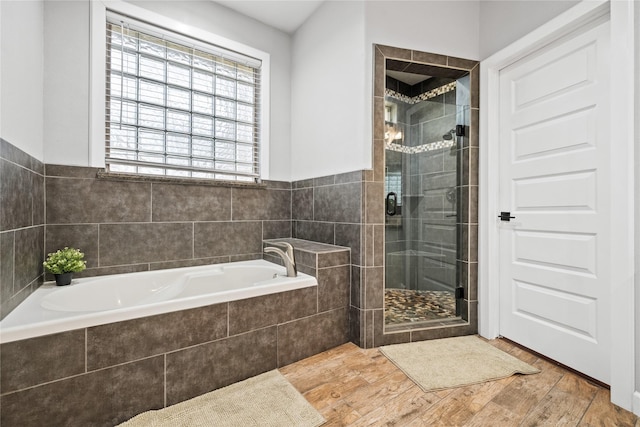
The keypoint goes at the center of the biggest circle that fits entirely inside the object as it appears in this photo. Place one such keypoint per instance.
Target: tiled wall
(103, 375)
(21, 226)
(342, 210)
(124, 226)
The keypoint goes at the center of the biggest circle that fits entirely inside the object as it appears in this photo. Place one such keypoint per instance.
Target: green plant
(67, 260)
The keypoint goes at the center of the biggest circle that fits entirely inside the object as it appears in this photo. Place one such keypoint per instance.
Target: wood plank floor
(350, 386)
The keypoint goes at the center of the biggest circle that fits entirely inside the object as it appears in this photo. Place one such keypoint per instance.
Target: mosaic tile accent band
(423, 96)
(419, 148)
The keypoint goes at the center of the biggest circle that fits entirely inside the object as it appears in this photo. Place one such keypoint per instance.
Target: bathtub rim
(68, 321)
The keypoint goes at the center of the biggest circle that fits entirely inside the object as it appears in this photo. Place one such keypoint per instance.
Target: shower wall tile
(475, 85)
(25, 364)
(197, 370)
(429, 58)
(130, 340)
(473, 132)
(79, 200)
(142, 243)
(394, 52)
(378, 118)
(461, 63)
(227, 238)
(175, 202)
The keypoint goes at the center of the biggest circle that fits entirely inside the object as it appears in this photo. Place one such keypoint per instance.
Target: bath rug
(454, 362)
(264, 400)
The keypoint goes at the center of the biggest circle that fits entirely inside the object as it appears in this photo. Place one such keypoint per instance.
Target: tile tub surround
(139, 225)
(115, 371)
(21, 226)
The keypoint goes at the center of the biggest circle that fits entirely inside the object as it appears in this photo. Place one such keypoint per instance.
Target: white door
(555, 180)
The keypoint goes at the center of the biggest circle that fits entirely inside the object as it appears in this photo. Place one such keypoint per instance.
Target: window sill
(180, 181)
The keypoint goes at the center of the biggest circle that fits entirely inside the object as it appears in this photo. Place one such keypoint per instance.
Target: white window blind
(178, 107)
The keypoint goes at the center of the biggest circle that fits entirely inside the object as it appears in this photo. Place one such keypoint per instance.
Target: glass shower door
(422, 187)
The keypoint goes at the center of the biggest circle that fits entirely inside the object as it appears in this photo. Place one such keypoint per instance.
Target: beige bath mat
(265, 400)
(454, 362)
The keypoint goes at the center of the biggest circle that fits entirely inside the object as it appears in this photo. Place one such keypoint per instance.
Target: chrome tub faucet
(287, 256)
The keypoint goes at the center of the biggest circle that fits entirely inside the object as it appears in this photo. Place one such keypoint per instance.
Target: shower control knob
(505, 216)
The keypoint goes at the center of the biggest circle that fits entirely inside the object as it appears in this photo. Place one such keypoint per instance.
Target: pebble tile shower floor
(409, 306)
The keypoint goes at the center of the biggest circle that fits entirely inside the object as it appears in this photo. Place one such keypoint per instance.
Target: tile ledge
(181, 181)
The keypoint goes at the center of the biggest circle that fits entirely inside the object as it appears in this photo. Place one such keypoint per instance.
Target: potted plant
(63, 263)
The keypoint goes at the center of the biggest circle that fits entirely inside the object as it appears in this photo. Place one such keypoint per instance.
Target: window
(178, 107)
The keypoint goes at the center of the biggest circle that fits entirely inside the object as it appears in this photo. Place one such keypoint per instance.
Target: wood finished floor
(350, 386)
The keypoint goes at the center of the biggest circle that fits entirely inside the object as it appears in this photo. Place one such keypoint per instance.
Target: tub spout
(288, 257)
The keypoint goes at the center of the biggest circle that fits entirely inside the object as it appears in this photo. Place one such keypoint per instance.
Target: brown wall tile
(374, 288)
(16, 188)
(276, 229)
(338, 203)
(83, 237)
(175, 202)
(256, 204)
(103, 398)
(316, 231)
(29, 254)
(7, 263)
(130, 340)
(312, 335)
(333, 287)
(200, 369)
(297, 304)
(302, 204)
(147, 242)
(39, 360)
(73, 201)
(227, 238)
(253, 313)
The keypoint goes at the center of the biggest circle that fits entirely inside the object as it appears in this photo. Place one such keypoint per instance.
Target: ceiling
(285, 15)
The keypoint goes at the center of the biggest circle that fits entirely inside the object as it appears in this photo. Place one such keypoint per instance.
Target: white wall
(66, 82)
(21, 75)
(329, 105)
(67, 73)
(444, 27)
(332, 72)
(503, 22)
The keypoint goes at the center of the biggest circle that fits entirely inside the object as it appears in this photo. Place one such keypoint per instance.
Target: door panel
(555, 179)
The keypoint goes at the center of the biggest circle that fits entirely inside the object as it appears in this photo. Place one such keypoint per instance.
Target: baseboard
(636, 403)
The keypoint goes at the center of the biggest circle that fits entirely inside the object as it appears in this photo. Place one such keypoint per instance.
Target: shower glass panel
(426, 118)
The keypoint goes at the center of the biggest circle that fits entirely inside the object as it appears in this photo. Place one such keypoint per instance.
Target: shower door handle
(391, 203)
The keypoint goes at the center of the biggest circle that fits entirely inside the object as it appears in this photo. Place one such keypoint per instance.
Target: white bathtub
(106, 299)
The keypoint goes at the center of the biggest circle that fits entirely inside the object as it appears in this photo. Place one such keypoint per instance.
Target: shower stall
(426, 122)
